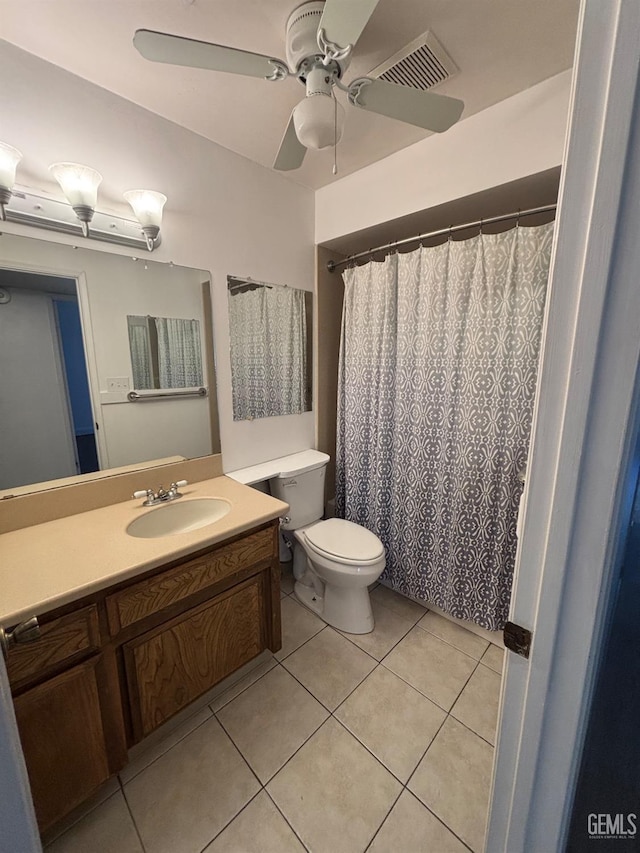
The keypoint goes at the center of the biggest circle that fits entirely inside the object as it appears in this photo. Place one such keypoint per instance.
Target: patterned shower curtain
(268, 352)
(179, 361)
(437, 376)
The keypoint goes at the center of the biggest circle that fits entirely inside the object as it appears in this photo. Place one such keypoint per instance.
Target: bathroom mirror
(67, 370)
(270, 328)
(165, 352)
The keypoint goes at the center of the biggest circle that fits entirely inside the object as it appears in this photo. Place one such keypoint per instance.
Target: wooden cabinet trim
(63, 641)
(144, 598)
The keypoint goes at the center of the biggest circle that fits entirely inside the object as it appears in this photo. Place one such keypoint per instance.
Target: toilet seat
(345, 542)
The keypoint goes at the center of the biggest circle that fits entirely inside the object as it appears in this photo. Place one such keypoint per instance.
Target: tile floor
(341, 743)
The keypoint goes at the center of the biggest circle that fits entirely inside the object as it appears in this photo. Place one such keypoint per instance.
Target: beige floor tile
(298, 626)
(333, 792)
(106, 829)
(454, 781)
(329, 666)
(271, 720)
(394, 721)
(389, 629)
(240, 686)
(411, 828)
(400, 604)
(494, 658)
(432, 666)
(454, 634)
(259, 828)
(158, 743)
(182, 800)
(477, 705)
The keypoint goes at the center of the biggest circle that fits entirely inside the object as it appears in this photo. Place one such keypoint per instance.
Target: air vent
(422, 64)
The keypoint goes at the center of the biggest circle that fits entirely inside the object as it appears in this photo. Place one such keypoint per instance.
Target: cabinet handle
(25, 632)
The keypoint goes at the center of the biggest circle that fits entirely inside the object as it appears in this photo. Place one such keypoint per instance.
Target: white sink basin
(178, 517)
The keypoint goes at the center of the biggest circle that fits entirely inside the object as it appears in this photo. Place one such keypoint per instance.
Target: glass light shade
(79, 183)
(9, 159)
(314, 120)
(147, 206)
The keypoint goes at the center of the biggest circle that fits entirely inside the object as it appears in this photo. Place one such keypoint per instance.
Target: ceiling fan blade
(176, 50)
(291, 152)
(414, 106)
(344, 20)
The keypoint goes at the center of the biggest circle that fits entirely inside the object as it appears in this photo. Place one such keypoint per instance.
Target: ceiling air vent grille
(422, 64)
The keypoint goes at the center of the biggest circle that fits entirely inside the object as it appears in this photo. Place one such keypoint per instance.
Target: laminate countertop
(51, 564)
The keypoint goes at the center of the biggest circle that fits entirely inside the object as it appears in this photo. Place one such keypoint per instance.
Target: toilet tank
(301, 485)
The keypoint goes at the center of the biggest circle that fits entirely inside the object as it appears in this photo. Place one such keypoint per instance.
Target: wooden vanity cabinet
(109, 669)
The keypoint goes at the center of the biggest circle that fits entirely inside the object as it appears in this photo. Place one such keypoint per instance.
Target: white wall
(224, 214)
(520, 136)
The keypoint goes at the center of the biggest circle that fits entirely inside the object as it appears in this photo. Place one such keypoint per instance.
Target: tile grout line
(133, 820)
(229, 822)
(286, 820)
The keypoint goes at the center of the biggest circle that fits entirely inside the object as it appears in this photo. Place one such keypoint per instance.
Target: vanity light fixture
(147, 206)
(9, 159)
(80, 186)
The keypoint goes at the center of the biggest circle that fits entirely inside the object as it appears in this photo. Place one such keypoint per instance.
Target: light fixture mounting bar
(40, 211)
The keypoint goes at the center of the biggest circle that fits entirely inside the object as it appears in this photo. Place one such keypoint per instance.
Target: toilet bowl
(342, 560)
(334, 561)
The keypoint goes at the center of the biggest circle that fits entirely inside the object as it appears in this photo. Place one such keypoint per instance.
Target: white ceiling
(500, 46)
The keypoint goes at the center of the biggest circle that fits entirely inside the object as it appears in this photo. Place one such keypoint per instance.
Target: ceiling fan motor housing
(302, 50)
(302, 33)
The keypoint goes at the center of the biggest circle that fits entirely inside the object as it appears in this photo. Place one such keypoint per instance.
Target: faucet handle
(180, 484)
(143, 493)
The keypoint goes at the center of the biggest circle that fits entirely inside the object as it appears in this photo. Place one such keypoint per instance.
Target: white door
(586, 414)
(37, 433)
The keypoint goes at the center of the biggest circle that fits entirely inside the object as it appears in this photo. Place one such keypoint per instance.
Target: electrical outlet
(118, 383)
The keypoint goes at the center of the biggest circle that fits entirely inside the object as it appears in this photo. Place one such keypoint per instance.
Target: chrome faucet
(162, 495)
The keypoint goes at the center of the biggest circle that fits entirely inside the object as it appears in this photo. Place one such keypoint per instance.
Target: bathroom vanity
(152, 625)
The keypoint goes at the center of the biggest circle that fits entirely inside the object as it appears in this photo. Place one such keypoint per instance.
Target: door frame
(575, 506)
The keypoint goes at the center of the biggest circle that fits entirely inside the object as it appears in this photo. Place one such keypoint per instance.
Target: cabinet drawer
(154, 594)
(61, 640)
(170, 667)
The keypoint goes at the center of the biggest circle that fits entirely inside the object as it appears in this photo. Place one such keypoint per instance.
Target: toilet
(334, 561)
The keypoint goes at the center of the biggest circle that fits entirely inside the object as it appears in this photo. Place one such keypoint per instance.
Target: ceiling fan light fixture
(319, 121)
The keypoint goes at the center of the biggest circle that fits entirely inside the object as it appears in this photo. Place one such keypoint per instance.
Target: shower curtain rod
(333, 265)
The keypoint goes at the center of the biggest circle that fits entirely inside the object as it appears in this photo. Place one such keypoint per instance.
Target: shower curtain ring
(518, 218)
(449, 235)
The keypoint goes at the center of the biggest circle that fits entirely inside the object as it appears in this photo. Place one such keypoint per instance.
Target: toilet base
(347, 610)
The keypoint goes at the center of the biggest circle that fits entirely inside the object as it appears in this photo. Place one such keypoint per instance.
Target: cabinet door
(170, 667)
(63, 741)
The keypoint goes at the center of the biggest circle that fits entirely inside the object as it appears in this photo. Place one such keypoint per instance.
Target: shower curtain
(179, 362)
(438, 362)
(268, 352)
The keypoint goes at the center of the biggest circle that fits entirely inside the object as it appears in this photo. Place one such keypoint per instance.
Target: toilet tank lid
(299, 463)
(339, 538)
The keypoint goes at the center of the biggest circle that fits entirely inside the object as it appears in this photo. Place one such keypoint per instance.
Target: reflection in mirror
(66, 362)
(165, 352)
(270, 333)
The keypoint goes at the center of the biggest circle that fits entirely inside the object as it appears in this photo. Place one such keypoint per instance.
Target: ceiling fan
(320, 39)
